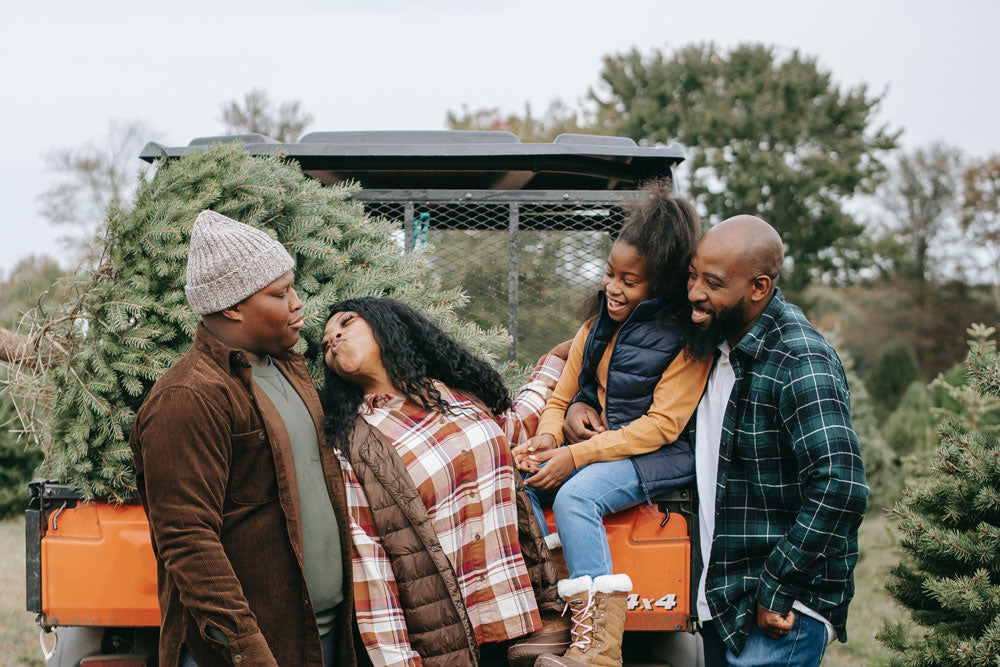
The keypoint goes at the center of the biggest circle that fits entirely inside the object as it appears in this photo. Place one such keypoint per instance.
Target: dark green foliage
(19, 457)
(18, 462)
(910, 429)
(891, 374)
(881, 463)
(766, 135)
(950, 528)
(130, 320)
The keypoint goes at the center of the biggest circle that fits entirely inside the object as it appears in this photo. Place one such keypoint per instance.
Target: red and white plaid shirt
(462, 467)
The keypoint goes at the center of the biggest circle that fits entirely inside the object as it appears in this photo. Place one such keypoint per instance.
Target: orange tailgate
(98, 567)
(657, 559)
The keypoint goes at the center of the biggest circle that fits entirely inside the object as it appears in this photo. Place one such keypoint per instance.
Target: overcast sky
(71, 67)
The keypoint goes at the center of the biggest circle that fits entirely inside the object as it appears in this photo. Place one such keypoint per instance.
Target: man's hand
(523, 454)
(775, 625)
(582, 422)
(562, 349)
(560, 466)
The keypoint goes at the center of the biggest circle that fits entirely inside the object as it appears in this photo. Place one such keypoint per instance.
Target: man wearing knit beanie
(247, 511)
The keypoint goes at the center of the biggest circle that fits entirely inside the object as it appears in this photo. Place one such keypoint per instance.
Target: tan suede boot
(598, 624)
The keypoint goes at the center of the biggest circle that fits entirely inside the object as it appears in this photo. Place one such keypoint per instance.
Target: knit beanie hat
(229, 261)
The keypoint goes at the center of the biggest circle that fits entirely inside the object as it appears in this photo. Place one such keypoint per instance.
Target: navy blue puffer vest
(642, 351)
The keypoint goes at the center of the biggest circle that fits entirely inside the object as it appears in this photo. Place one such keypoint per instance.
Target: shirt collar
(372, 402)
(230, 359)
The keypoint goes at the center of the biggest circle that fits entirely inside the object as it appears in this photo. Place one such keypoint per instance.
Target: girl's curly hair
(664, 230)
(414, 351)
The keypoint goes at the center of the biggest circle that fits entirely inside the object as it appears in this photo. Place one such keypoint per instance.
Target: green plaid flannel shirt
(791, 489)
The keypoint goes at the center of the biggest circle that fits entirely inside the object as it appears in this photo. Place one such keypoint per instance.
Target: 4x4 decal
(668, 602)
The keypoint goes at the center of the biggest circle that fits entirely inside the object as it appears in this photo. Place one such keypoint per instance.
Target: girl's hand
(582, 423)
(524, 457)
(560, 466)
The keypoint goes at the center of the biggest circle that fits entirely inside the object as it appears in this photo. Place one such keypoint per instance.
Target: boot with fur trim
(598, 623)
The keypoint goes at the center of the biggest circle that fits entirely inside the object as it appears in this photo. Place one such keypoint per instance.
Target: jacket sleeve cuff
(773, 596)
(583, 453)
(252, 650)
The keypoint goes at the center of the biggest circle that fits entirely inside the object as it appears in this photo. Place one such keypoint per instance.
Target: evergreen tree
(950, 528)
(766, 133)
(129, 320)
(891, 374)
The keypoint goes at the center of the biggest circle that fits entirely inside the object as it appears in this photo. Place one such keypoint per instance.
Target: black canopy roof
(451, 159)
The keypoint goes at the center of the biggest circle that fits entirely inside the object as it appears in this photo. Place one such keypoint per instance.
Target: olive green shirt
(320, 537)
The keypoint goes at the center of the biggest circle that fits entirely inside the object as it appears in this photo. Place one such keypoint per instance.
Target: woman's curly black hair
(664, 230)
(414, 351)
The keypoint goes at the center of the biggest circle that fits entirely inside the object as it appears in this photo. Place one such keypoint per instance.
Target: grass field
(870, 609)
(18, 632)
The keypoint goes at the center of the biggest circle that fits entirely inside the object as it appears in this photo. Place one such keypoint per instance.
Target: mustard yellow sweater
(675, 398)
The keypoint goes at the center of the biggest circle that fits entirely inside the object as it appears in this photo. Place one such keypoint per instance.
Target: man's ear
(233, 313)
(761, 287)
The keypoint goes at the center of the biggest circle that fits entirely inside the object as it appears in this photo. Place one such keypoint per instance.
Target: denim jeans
(580, 504)
(536, 496)
(803, 647)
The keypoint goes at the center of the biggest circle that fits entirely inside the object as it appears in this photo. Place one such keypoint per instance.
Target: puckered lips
(297, 324)
(332, 345)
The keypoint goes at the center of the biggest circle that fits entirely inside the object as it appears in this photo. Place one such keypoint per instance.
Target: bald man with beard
(780, 480)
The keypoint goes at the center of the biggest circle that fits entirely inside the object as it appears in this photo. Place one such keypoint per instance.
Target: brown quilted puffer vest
(436, 619)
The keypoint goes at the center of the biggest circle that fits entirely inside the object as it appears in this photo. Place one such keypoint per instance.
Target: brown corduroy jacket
(436, 618)
(215, 475)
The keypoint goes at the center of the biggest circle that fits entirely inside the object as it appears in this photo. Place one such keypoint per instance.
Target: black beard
(703, 343)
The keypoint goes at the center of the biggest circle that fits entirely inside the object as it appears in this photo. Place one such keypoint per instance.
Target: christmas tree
(100, 351)
(950, 531)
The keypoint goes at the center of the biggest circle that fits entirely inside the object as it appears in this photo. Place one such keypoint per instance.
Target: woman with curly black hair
(447, 554)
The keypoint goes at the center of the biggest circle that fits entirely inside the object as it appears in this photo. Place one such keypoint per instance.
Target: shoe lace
(581, 631)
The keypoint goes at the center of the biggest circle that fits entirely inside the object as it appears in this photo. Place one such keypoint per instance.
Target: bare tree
(90, 178)
(256, 114)
(981, 212)
(921, 200)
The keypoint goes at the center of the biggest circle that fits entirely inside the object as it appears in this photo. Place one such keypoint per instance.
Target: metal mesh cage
(525, 259)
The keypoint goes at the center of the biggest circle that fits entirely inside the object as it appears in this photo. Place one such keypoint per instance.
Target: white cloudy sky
(70, 67)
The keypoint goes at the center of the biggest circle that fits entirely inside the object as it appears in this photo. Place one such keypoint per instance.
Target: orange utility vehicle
(91, 569)
(91, 576)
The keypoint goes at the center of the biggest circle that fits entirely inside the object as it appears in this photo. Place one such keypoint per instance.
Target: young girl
(626, 362)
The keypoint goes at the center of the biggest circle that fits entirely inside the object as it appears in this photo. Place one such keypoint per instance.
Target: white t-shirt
(708, 435)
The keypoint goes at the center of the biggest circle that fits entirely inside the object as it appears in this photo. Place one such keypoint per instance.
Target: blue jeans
(536, 496)
(803, 647)
(580, 504)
